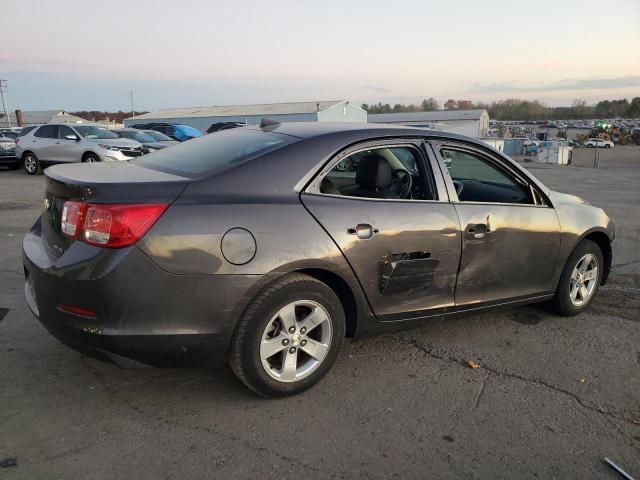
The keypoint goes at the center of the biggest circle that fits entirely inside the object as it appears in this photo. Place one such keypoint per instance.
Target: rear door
(510, 233)
(404, 251)
(43, 142)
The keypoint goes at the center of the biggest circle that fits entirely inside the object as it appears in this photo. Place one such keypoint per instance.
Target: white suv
(64, 143)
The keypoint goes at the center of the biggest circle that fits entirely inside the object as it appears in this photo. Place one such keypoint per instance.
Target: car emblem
(47, 204)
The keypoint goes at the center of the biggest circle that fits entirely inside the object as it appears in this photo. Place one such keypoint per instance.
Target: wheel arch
(344, 292)
(87, 153)
(604, 242)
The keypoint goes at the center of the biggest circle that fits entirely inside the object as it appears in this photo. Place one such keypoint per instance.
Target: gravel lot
(551, 398)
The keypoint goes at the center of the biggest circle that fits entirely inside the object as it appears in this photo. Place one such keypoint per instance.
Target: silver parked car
(64, 143)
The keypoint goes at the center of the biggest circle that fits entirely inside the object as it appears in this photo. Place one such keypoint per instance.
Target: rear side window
(26, 130)
(47, 131)
(214, 153)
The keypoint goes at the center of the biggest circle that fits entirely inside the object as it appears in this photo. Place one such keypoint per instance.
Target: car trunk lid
(102, 183)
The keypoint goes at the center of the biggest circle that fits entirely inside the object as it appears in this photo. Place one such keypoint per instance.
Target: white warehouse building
(472, 123)
(203, 117)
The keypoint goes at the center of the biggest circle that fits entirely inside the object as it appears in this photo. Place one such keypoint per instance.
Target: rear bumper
(143, 315)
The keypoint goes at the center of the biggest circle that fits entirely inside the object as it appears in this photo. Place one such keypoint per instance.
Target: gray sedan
(255, 247)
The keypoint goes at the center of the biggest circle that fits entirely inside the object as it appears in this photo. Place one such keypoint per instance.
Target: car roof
(306, 130)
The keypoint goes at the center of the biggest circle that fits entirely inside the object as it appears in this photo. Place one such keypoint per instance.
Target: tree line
(516, 109)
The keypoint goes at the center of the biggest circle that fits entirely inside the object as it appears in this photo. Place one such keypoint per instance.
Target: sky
(85, 55)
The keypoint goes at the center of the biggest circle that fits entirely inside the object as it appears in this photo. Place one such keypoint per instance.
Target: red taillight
(112, 226)
(72, 214)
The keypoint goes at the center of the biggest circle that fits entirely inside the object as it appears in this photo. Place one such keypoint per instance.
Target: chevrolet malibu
(254, 247)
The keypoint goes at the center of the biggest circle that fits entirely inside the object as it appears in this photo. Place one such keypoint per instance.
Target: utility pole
(133, 113)
(3, 90)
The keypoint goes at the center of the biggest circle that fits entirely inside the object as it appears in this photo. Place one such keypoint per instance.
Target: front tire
(580, 279)
(31, 163)
(289, 337)
(91, 158)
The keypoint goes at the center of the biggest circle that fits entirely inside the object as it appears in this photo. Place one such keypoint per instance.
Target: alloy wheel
(583, 280)
(30, 164)
(296, 341)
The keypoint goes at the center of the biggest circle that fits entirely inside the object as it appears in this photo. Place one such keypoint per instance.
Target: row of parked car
(36, 146)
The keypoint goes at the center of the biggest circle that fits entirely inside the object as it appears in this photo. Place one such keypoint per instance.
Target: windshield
(158, 136)
(141, 137)
(91, 132)
(215, 153)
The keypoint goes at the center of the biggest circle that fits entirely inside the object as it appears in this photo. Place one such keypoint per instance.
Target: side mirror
(71, 137)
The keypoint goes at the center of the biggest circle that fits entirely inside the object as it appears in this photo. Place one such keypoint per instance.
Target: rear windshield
(215, 152)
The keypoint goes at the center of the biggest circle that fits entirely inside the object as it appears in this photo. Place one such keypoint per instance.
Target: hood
(116, 142)
(158, 145)
(565, 198)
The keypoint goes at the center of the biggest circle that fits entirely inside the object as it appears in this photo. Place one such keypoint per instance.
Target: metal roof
(440, 115)
(242, 110)
(42, 116)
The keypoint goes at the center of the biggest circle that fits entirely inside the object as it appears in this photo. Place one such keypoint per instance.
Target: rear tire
(31, 164)
(272, 344)
(580, 279)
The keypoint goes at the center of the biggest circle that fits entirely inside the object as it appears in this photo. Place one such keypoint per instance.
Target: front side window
(47, 131)
(63, 131)
(477, 179)
(392, 173)
(95, 133)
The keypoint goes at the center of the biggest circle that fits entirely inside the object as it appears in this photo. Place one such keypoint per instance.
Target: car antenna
(267, 122)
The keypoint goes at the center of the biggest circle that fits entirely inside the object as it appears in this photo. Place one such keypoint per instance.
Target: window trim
(499, 164)
(313, 188)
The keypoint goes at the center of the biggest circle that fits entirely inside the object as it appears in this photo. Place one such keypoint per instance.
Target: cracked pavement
(551, 398)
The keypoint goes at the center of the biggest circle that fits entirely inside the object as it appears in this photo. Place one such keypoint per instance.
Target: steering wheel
(459, 187)
(405, 180)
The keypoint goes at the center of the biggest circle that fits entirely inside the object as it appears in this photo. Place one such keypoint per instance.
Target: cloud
(592, 83)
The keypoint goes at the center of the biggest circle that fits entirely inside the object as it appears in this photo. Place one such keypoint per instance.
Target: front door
(395, 227)
(510, 234)
(65, 150)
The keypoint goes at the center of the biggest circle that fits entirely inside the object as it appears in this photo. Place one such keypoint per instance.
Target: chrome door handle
(363, 231)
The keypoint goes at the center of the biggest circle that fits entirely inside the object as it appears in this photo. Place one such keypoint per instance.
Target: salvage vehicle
(250, 247)
(64, 143)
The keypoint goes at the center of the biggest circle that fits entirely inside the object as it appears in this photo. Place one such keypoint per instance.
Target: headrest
(373, 172)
